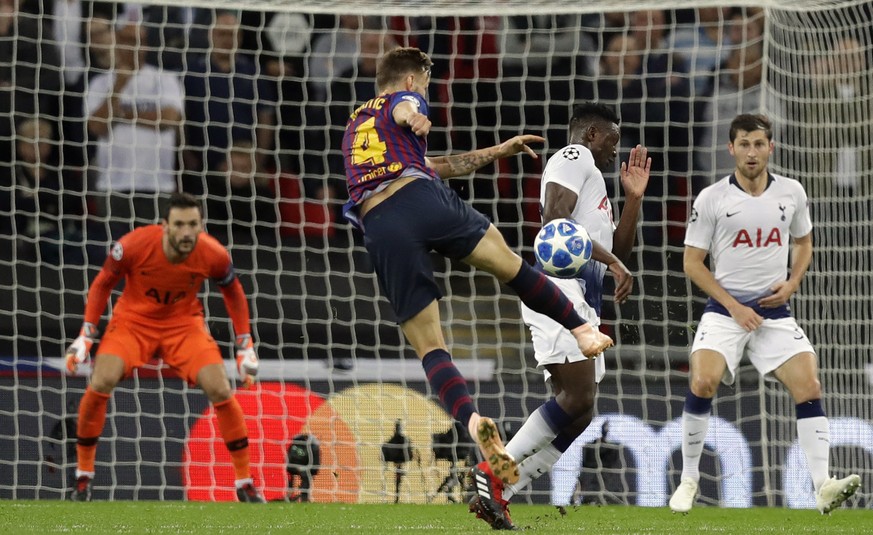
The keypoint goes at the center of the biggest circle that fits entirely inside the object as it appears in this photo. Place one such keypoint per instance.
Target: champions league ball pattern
(562, 248)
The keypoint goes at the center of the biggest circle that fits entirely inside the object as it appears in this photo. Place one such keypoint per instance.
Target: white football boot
(683, 499)
(834, 492)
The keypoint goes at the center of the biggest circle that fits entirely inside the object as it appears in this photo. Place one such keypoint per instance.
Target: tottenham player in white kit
(572, 187)
(745, 222)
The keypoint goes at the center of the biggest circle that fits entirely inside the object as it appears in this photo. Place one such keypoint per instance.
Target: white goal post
(258, 141)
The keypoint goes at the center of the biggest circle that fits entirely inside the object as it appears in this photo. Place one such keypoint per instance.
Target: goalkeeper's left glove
(246, 360)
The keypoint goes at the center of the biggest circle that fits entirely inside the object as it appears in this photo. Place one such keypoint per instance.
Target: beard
(178, 245)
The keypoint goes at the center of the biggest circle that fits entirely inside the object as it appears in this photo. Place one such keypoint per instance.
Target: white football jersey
(573, 168)
(748, 237)
(134, 157)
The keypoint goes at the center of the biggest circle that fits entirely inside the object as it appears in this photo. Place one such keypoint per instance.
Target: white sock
(472, 427)
(80, 473)
(533, 436)
(241, 482)
(694, 428)
(531, 468)
(814, 437)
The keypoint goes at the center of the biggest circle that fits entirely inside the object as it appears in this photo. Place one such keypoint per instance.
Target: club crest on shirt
(117, 251)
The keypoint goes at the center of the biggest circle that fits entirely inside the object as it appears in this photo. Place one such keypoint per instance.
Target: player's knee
(108, 371)
(218, 393)
(493, 255)
(704, 386)
(578, 404)
(103, 382)
(807, 390)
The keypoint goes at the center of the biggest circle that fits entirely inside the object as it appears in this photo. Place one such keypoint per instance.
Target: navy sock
(809, 409)
(697, 405)
(449, 384)
(541, 295)
(555, 416)
(563, 441)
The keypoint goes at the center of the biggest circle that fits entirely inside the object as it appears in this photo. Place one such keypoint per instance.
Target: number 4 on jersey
(367, 147)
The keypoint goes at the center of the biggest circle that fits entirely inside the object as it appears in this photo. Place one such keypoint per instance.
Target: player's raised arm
(634, 179)
(463, 164)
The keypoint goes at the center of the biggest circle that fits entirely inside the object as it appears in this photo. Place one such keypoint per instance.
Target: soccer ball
(562, 247)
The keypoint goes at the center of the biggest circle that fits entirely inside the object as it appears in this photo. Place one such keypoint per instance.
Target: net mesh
(257, 137)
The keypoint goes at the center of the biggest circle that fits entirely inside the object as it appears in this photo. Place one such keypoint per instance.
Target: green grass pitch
(328, 519)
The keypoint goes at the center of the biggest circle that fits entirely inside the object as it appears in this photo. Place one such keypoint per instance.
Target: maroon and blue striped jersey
(377, 150)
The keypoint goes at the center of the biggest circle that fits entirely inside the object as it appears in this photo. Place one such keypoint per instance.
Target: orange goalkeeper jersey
(155, 289)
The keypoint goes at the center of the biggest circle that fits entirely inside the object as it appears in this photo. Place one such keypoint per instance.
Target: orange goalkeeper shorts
(184, 344)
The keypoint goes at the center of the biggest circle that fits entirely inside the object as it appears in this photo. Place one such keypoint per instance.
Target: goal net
(244, 104)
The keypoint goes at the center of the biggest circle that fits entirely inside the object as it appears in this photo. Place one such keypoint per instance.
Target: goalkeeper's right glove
(80, 350)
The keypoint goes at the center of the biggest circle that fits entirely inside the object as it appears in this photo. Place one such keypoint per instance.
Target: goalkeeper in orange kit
(159, 314)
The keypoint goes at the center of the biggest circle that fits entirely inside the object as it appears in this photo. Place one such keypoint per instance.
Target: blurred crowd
(106, 108)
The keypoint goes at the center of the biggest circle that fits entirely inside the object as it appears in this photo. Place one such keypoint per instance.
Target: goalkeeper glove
(80, 350)
(246, 360)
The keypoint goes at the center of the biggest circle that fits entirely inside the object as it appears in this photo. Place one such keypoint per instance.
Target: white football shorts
(554, 344)
(768, 347)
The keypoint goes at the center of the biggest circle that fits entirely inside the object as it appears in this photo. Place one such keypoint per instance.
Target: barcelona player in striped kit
(405, 211)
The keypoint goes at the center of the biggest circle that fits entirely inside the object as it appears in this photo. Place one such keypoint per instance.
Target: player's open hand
(513, 146)
(246, 360)
(635, 172)
(624, 281)
(79, 351)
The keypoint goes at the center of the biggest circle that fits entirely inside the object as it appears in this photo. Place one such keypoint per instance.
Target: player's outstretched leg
(81, 490)
(835, 491)
(501, 463)
(686, 493)
(444, 378)
(487, 502)
(541, 295)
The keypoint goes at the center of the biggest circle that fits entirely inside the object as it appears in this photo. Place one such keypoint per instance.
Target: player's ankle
(473, 425)
(581, 330)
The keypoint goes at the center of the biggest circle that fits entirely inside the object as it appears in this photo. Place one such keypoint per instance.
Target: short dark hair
(749, 122)
(181, 199)
(399, 63)
(589, 112)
